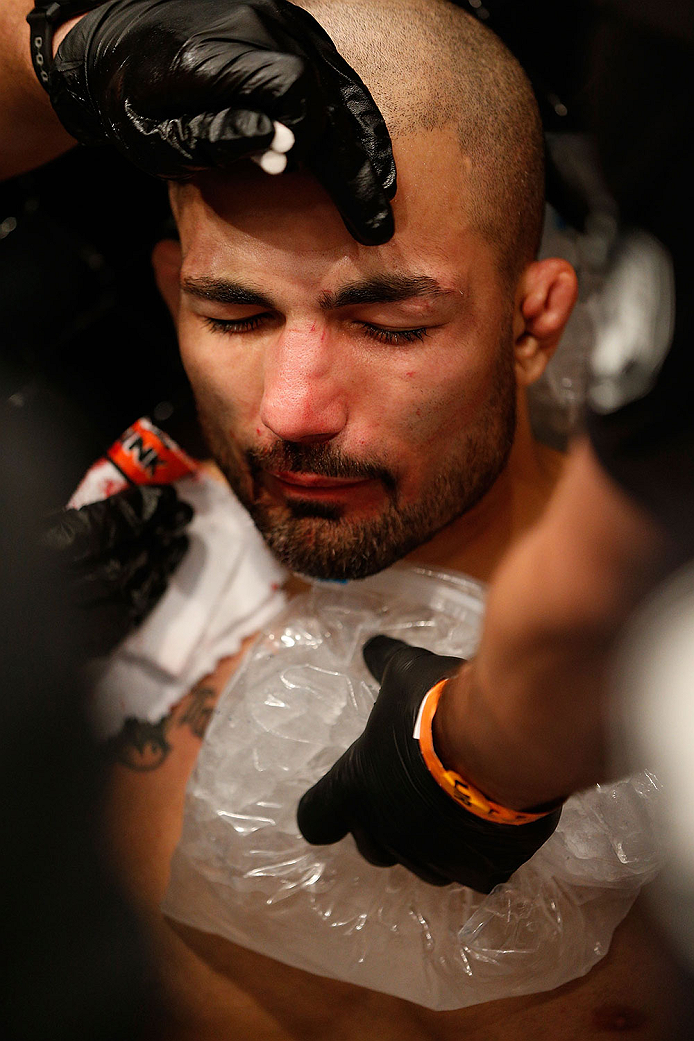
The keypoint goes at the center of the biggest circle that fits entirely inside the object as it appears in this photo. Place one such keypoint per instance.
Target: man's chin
(335, 571)
(330, 549)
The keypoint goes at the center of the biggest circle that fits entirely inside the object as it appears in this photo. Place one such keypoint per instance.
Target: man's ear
(166, 261)
(546, 295)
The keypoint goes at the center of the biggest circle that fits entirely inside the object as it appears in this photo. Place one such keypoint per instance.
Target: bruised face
(357, 399)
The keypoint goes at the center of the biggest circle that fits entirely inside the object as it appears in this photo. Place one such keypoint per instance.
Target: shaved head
(430, 65)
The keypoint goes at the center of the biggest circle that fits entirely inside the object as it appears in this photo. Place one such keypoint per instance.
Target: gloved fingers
(195, 127)
(236, 134)
(372, 850)
(398, 665)
(322, 814)
(219, 139)
(283, 86)
(142, 511)
(426, 873)
(375, 137)
(69, 535)
(108, 578)
(79, 535)
(275, 63)
(145, 583)
(142, 597)
(158, 504)
(373, 131)
(181, 146)
(142, 584)
(135, 513)
(181, 518)
(378, 854)
(176, 551)
(346, 172)
(127, 576)
(378, 651)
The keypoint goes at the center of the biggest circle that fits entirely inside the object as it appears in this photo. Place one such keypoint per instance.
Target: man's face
(357, 399)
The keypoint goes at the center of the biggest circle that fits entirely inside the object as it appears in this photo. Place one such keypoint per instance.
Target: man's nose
(304, 395)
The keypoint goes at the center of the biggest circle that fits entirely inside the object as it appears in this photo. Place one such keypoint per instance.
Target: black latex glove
(181, 86)
(119, 554)
(381, 789)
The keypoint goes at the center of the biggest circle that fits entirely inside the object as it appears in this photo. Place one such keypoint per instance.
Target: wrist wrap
(43, 21)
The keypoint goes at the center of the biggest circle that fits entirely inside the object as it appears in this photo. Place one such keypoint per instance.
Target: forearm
(30, 133)
(525, 720)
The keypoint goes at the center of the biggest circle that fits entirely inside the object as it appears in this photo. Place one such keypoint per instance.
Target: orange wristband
(464, 793)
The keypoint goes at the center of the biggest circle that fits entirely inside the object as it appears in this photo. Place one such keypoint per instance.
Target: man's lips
(311, 480)
(312, 483)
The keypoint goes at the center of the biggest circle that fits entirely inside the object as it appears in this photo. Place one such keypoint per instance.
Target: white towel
(226, 588)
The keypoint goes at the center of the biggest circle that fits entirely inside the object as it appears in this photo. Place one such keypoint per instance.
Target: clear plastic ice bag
(242, 869)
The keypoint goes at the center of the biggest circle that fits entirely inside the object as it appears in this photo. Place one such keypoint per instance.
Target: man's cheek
(220, 386)
(434, 417)
(196, 354)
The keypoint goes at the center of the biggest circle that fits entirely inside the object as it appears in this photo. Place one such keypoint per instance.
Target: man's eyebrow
(224, 291)
(383, 289)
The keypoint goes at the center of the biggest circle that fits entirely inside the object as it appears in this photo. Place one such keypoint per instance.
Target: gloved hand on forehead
(397, 799)
(181, 86)
(118, 555)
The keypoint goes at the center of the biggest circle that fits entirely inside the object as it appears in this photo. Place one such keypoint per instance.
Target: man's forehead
(432, 197)
(251, 211)
(284, 234)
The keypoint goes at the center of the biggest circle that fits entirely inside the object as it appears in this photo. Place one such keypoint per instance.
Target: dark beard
(316, 539)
